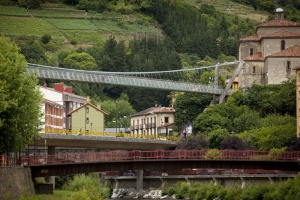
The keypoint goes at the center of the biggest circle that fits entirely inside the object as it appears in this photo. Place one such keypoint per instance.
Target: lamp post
(117, 116)
(85, 107)
(183, 129)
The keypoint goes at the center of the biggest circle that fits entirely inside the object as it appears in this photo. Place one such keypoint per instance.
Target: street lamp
(183, 129)
(117, 115)
(86, 121)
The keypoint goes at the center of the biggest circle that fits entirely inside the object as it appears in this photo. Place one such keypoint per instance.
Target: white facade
(153, 121)
(58, 97)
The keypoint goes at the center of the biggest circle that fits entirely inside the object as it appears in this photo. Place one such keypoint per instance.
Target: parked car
(129, 173)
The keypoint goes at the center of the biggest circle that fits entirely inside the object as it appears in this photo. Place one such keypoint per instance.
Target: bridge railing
(105, 134)
(82, 157)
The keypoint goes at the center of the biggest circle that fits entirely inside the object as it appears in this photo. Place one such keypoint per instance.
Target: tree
(216, 137)
(19, 99)
(188, 106)
(118, 112)
(83, 61)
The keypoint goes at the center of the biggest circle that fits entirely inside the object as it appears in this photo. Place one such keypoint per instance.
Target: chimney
(59, 87)
(69, 89)
(279, 14)
(45, 85)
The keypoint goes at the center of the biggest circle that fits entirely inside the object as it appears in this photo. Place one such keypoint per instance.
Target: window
(282, 45)
(288, 65)
(253, 70)
(251, 51)
(87, 109)
(87, 120)
(166, 119)
(288, 68)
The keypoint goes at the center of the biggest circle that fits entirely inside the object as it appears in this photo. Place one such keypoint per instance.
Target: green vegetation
(284, 190)
(14, 11)
(79, 187)
(33, 27)
(19, 100)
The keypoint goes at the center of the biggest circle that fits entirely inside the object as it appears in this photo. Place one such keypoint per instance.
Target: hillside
(71, 28)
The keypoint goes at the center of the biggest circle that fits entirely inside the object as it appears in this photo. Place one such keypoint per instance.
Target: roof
(66, 93)
(87, 103)
(279, 34)
(154, 110)
(279, 23)
(51, 102)
(252, 38)
(282, 34)
(293, 51)
(256, 57)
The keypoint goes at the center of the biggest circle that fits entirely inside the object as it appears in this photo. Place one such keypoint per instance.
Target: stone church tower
(271, 53)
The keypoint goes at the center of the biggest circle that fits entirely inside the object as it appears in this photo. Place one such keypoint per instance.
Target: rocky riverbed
(131, 193)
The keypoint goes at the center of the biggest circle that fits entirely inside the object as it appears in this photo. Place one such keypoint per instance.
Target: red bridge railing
(144, 155)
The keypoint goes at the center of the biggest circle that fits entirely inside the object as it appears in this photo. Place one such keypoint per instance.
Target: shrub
(276, 153)
(182, 189)
(73, 42)
(193, 143)
(213, 154)
(255, 192)
(235, 143)
(295, 145)
(46, 38)
(88, 186)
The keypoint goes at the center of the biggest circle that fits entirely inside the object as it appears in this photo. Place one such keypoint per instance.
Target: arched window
(282, 45)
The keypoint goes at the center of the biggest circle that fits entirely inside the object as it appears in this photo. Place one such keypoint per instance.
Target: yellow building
(87, 118)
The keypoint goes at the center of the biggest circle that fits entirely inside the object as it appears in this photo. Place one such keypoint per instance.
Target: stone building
(271, 53)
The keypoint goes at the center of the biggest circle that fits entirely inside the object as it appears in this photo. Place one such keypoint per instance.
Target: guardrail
(80, 157)
(105, 134)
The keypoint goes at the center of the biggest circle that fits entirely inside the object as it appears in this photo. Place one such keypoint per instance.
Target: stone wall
(15, 182)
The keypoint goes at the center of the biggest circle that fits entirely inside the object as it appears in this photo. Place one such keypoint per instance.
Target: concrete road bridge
(49, 142)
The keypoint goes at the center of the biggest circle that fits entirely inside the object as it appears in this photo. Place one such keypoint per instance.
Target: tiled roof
(293, 51)
(282, 34)
(252, 38)
(279, 23)
(87, 103)
(256, 57)
(153, 110)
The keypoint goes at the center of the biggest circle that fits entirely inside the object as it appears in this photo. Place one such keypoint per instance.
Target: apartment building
(154, 121)
(57, 102)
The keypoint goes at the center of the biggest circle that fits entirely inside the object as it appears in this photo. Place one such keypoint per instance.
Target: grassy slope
(66, 24)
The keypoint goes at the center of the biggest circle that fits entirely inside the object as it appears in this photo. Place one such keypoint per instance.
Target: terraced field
(67, 24)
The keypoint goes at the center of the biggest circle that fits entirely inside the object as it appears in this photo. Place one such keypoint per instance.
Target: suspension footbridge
(185, 80)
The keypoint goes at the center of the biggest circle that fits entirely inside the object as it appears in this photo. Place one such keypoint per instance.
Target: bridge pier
(243, 182)
(117, 183)
(102, 177)
(139, 179)
(51, 179)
